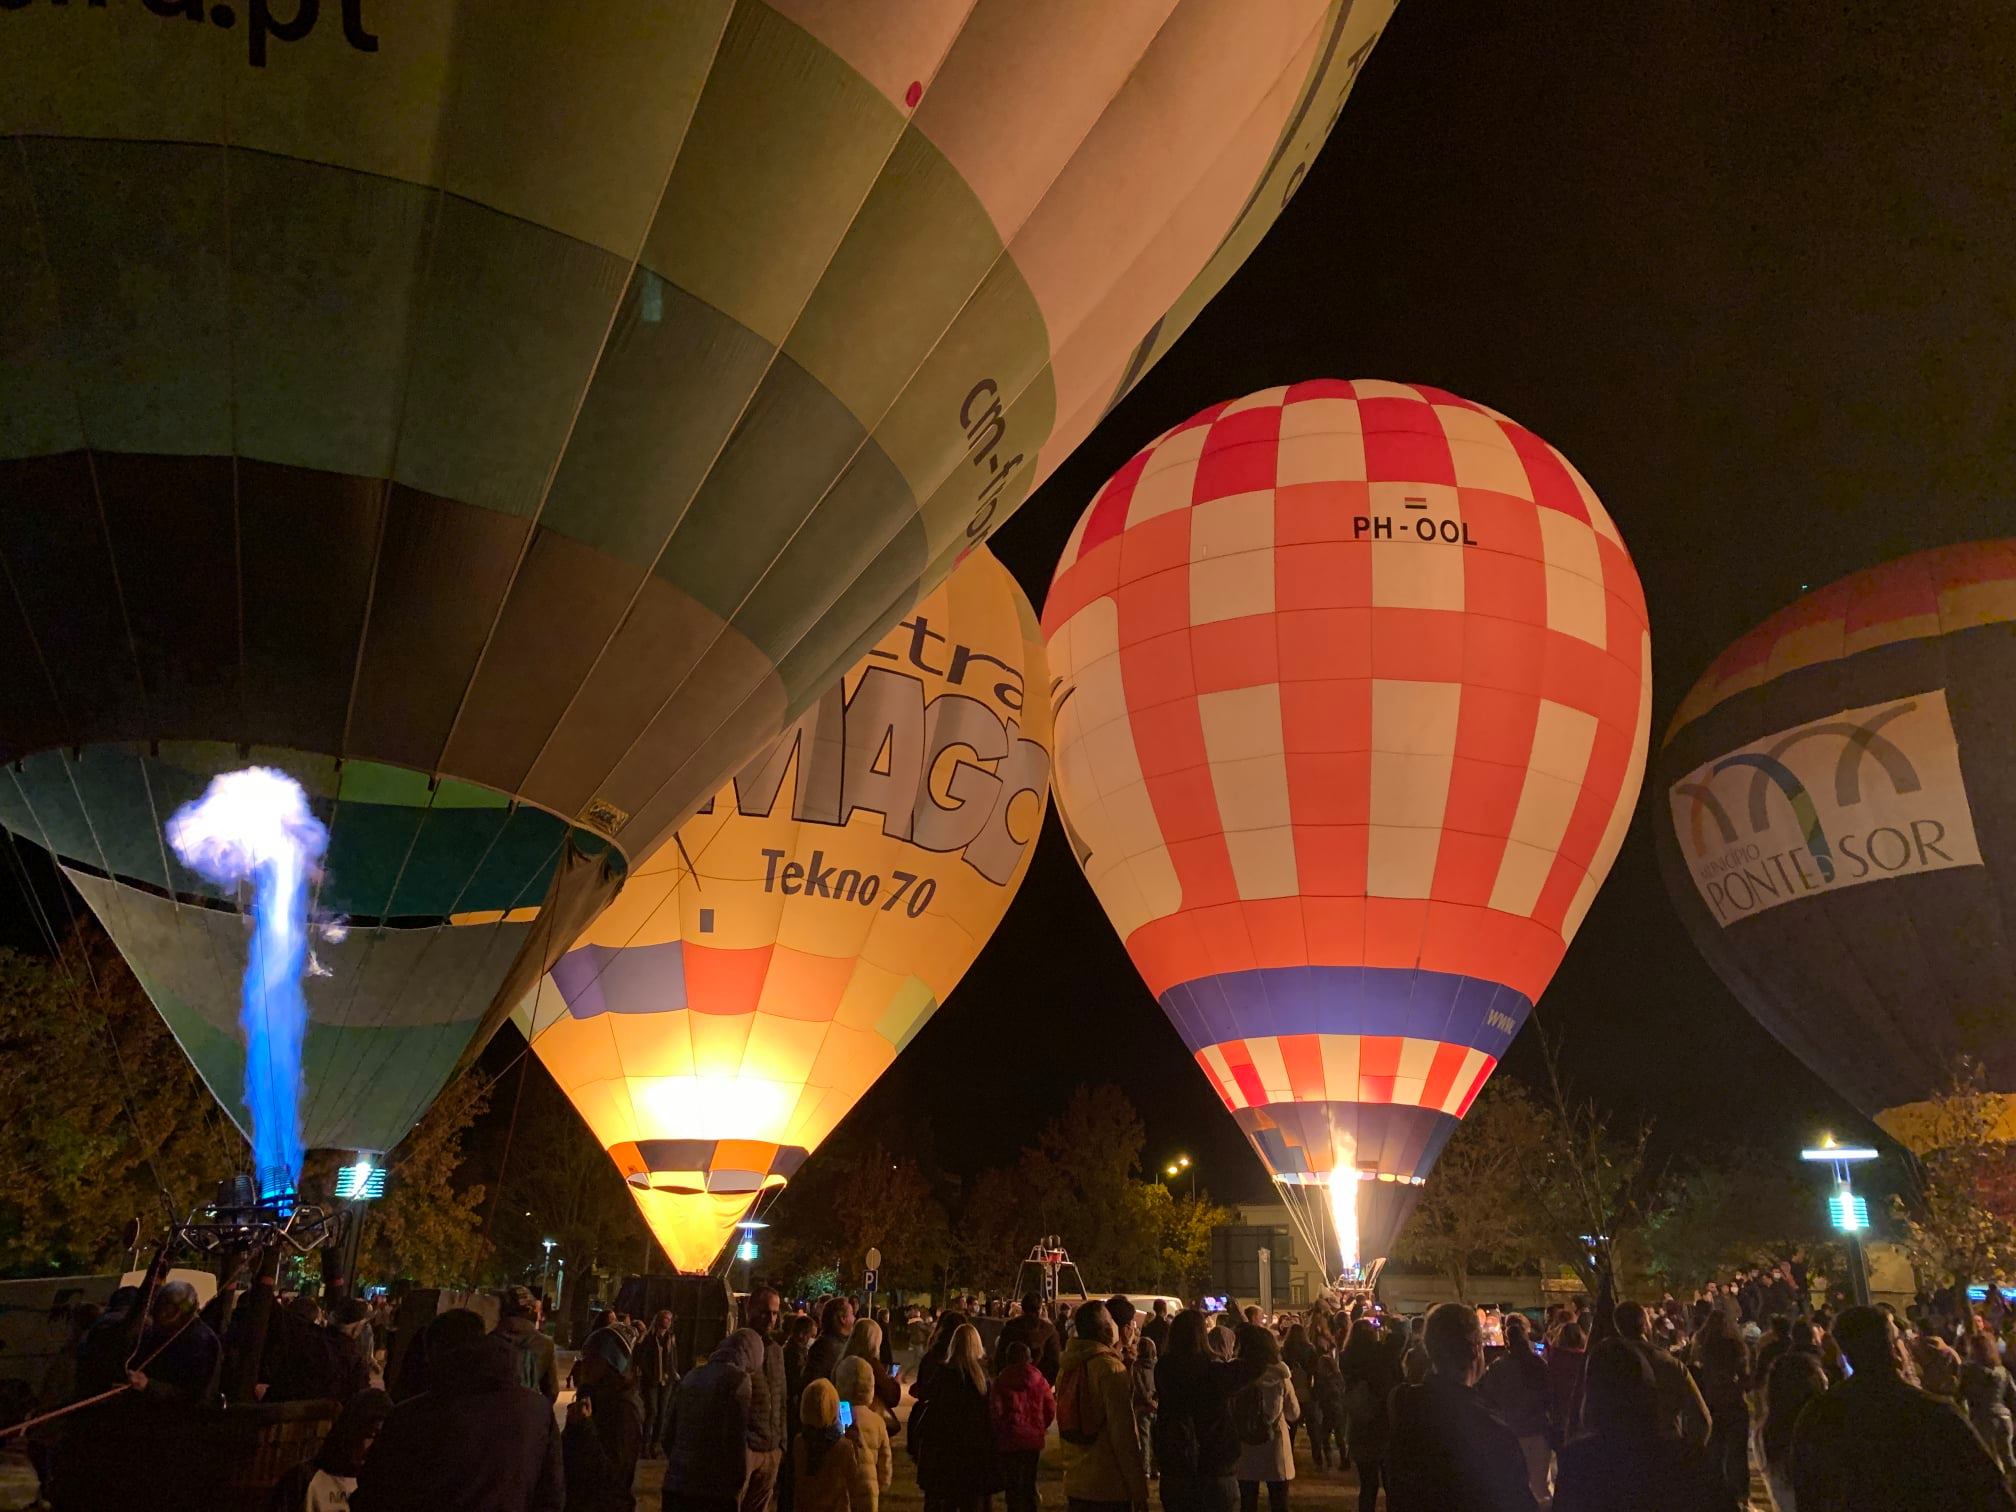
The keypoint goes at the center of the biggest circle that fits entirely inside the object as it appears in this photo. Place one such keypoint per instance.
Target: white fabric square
(1340, 1066)
(1232, 587)
(1235, 523)
(1575, 605)
(1263, 861)
(1415, 716)
(1379, 388)
(1562, 739)
(1482, 452)
(1335, 457)
(1110, 752)
(1252, 794)
(1163, 492)
(1546, 804)
(1417, 1056)
(1522, 872)
(1241, 722)
(1410, 574)
(1400, 863)
(1321, 417)
(1410, 790)
(1264, 399)
(1473, 1062)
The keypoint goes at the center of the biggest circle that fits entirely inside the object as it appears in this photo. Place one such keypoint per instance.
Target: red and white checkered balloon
(1352, 684)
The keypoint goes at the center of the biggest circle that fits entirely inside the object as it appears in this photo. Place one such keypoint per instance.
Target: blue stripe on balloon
(596, 979)
(1430, 1005)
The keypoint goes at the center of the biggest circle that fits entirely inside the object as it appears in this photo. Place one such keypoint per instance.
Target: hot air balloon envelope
(765, 967)
(1837, 818)
(1353, 694)
(505, 417)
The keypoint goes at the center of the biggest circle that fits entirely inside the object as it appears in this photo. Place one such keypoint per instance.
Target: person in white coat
(1263, 1411)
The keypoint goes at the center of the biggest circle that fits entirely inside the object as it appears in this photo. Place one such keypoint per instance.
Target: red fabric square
(1483, 793)
(1152, 606)
(1393, 928)
(1505, 587)
(1168, 737)
(1169, 950)
(1466, 866)
(1240, 455)
(1109, 509)
(1905, 590)
(1235, 653)
(1186, 806)
(1418, 645)
(1330, 862)
(1333, 715)
(1305, 512)
(1501, 524)
(726, 981)
(1319, 388)
(1442, 1075)
(1302, 1058)
(1092, 576)
(1500, 654)
(1223, 925)
(1405, 443)
(1155, 671)
(1332, 787)
(1325, 643)
(1205, 871)
(1494, 724)
(1155, 545)
(1336, 926)
(1553, 488)
(1379, 1055)
(1375, 1089)
(1274, 925)
(1575, 673)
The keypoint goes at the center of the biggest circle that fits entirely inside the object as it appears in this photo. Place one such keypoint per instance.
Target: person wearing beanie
(855, 1379)
(830, 1472)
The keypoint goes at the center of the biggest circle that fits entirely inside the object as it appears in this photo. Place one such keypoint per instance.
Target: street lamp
(746, 1247)
(1177, 1167)
(1850, 1214)
(546, 1275)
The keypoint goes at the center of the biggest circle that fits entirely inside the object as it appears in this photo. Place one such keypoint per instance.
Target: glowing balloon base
(1347, 1220)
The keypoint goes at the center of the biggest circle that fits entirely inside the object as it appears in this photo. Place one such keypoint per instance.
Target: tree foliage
(428, 1227)
(105, 1119)
(1962, 1227)
(1476, 1209)
(1593, 1188)
(1730, 1212)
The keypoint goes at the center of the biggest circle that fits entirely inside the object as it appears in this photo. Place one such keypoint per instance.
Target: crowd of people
(1668, 1407)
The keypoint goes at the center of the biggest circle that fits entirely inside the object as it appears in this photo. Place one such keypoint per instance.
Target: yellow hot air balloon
(771, 959)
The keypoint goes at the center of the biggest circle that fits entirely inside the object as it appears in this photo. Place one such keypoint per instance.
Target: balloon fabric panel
(1352, 695)
(761, 970)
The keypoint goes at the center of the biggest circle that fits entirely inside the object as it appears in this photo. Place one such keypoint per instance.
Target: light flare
(1343, 1185)
(255, 825)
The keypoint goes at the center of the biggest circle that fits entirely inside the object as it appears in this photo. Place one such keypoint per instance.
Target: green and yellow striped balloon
(511, 409)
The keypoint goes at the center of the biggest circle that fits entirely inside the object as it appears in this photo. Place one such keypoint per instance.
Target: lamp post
(1849, 1213)
(1177, 1167)
(546, 1275)
(746, 1248)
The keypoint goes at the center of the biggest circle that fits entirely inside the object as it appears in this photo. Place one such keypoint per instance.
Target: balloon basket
(242, 1218)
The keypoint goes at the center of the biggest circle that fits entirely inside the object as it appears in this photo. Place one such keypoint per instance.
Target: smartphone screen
(846, 1416)
(896, 1372)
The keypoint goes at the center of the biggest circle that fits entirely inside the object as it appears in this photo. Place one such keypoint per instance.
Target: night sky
(1753, 268)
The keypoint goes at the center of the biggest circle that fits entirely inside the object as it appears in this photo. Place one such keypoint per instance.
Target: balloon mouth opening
(704, 1183)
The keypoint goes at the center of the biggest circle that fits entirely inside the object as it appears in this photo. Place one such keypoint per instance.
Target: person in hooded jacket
(1023, 1407)
(1030, 1328)
(1095, 1415)
(518, 1326)
(855, 1379)
(1264, 1412)
(707, 1428)
(473, 1441)
(1516, 1387)
(830, 1470)
(957, 1469)
(1623, 1463)
(1369, 1366)
(605, 1428)
(1449, 1452)
(1196, 1446)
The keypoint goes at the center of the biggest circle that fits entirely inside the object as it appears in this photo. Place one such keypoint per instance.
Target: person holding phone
(856, 1380)
(829, 1470)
